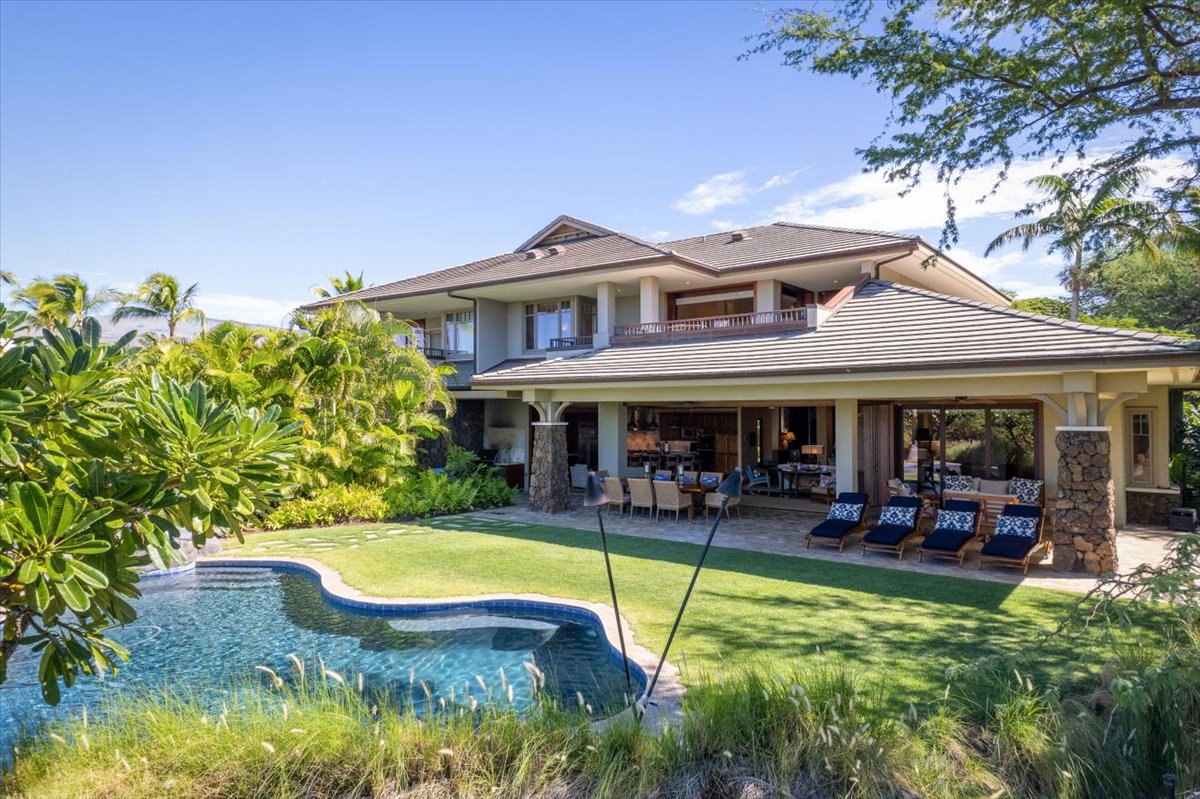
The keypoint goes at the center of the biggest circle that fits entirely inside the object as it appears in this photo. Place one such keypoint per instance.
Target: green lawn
(749, 608)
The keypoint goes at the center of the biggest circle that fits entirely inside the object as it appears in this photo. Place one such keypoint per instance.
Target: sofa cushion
(833, 528)
(845, 511)
(993, 486)
(1027, 492)
(888, 534)
(902, 517)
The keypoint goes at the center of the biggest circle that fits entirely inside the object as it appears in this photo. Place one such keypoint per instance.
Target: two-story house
(857, 351)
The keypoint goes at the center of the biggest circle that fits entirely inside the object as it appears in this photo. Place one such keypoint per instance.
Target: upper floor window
(460, 332)
(587, 316)
(702, 304)
(547, 320)
(1141, 447)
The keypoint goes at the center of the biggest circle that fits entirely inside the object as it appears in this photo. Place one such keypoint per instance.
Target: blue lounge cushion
(888, 534)
(946, 540)
(1009, 546)
(834, 528)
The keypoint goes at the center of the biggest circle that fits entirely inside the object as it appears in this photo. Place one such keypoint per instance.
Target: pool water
(205, 630)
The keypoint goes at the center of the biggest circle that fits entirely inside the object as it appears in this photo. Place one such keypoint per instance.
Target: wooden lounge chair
(668, 497)
(641, 495)
(956, 526)
(897, 526)
(1020, 535)
(846, 517)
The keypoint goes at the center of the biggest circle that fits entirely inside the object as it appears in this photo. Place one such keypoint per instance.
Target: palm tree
(1078, 221)
(160, 297)
(340, 285)
(64, 298)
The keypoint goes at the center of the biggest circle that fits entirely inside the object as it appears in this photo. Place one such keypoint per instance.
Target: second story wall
(491, 340)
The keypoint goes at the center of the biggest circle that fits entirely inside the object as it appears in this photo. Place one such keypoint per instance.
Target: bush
(428, 492)
(331, 505)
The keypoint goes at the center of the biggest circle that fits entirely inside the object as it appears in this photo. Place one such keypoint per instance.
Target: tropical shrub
(102, 468)
(428, 493)
(330, 505)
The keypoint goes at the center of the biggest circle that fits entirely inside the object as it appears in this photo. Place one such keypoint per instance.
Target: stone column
(549, 479)
(1085, 535)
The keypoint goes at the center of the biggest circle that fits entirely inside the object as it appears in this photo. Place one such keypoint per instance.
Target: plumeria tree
(103, 466)
(161, 297)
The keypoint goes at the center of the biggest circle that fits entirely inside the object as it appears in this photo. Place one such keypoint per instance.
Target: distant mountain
(111, 331)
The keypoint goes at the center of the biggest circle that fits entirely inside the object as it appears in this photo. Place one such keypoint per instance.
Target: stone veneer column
(1085, 535)
(549, 479)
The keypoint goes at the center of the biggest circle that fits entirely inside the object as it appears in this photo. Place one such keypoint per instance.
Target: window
(990, 443)
(1141, 440)
(587, 316)
(699, 305)
(547, 320)
(460, 332)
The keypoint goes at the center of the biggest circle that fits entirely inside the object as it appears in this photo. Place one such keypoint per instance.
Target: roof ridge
(564, 219)
(866, 231)
(1121, 332)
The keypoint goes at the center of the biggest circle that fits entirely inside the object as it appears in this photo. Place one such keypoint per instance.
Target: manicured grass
(749, 608)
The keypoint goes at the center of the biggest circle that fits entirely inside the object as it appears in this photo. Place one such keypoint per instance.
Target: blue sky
(256, 148)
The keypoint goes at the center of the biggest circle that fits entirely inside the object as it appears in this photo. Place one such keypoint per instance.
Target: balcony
(570, 343)
(711, 326)
(441, 354)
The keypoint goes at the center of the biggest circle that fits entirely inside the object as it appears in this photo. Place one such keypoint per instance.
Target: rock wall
(1085, 534)
(1146, 507)
(466, 430)
(549, 483)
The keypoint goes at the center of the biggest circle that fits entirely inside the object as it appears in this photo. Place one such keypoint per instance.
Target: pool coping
(668, 693)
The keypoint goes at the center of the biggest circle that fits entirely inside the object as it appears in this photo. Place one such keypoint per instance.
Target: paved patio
(782, 532)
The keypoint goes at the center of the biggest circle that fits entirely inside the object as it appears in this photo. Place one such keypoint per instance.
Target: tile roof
(715, 253)
(885, 326)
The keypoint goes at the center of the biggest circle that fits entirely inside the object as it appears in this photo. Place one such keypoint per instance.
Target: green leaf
(88, 574)
(28, 571)
(76, 598)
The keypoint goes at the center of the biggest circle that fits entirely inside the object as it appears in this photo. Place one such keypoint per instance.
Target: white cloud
(247, 308)
(867, 200)
(658, 235)
(726, 188)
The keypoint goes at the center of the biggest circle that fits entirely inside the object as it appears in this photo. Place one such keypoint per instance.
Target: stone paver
(782, 533)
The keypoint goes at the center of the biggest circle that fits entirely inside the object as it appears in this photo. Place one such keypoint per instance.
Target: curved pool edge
(668, 692)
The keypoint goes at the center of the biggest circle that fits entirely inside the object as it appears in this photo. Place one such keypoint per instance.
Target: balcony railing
(715, 325)
(570, 343)
(442, 354)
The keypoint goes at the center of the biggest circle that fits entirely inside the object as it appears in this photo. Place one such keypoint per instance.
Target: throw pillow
(903, 517)
(956, 482)
(959, 521)
(1021, 526)
(1027, 492)
(845, 511)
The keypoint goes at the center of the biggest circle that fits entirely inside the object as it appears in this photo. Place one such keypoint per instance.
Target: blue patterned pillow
(1027, 492)
(903, 517)
(687, 480)
(1022, 526)
(959, 521)
(845, 511)
(955, 482)
(661, 476)
(710, 481)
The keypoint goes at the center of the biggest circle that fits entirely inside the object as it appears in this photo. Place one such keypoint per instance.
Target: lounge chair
(956, 526)
(846, 516)
(668, 497)
(1019, 536)
(641, 495)
(898, 521)
(757, 482)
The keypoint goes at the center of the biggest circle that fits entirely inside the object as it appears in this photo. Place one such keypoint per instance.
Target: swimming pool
(209, 628)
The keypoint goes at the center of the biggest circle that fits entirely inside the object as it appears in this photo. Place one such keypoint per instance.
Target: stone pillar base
(1085, 535)
(549, 480)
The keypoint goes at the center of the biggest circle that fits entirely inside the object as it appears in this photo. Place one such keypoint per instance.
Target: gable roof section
(714, 254)
(782, 241)
(884, 327)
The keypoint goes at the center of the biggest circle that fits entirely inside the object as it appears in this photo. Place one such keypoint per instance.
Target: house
(864, 354)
